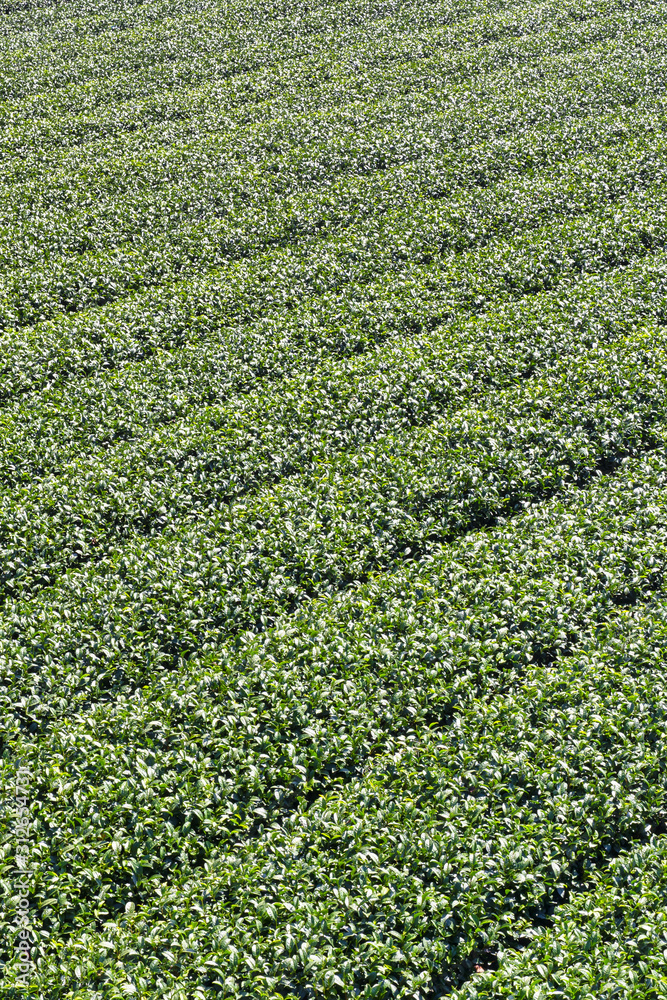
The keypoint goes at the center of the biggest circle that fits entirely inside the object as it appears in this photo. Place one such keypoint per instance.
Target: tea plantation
(333, 499)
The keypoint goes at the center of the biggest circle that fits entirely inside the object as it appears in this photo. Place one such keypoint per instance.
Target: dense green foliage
(333, 498)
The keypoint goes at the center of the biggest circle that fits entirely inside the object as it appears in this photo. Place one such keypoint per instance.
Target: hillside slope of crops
(333, 499)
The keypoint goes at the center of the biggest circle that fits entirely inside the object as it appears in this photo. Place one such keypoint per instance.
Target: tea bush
(333, 497)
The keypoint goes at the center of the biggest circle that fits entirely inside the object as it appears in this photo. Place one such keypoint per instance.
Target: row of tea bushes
(417, 772)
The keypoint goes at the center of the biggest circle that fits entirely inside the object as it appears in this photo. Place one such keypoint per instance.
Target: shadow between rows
(296, 234)
(176, 652)
(485, 958)
(261, 374)
(388, 58)
(152, 524)
(257, 814)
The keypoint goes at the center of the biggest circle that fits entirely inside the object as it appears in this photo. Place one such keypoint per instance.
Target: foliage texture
(333, 498)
